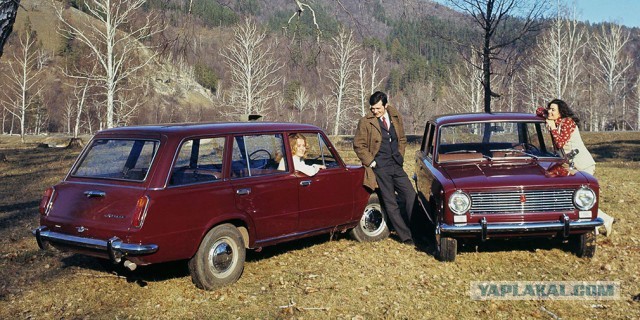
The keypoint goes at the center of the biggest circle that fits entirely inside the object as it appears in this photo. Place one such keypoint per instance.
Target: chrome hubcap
(372, 221)
(222, 256)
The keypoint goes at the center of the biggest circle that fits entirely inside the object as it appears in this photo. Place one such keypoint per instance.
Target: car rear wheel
(219, 260)
(373, 223)
(584, 245)
(447, 249)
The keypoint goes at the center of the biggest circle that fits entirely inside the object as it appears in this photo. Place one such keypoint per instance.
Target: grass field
(315, 278)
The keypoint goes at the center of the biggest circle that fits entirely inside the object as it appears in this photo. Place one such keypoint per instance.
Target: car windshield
(117, 159)
(492, 140)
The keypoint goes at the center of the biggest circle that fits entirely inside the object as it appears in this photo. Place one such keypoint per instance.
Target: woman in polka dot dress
(563, 125)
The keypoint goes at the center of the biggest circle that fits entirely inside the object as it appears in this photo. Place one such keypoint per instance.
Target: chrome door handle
(243, 191)
(94, 193)
(305, 183)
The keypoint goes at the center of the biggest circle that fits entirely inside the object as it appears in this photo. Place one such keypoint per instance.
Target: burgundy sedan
(204, 193)
(497, 175)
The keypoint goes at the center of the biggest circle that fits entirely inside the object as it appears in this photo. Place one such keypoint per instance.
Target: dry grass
(318, 277)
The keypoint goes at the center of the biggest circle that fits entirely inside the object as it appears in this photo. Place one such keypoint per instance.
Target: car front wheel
(219, 260)
(373, 223)
(584, 245)
(447, 249)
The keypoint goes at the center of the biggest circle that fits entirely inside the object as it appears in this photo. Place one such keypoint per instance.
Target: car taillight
(141, 212)
(47, 201)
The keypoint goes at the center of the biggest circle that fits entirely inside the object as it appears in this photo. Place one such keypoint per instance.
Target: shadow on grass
(623, 150)
(178, 269)
(141, 276)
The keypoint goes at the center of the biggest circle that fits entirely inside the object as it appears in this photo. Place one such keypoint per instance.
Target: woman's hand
(551, 124)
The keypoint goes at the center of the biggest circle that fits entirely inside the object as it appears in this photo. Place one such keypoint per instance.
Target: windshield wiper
(514, 151)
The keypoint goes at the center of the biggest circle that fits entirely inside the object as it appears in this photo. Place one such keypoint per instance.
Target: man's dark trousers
(392, 179)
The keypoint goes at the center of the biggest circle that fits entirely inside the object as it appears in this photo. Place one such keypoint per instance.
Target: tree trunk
(8, 11)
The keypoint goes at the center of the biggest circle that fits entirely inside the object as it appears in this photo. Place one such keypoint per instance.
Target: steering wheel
(529, 147)
(252, 155)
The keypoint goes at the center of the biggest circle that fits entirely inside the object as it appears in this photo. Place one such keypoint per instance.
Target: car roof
(485, 117)
(209, 128)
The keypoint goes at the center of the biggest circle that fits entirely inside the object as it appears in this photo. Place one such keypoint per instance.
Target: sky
(625, 12)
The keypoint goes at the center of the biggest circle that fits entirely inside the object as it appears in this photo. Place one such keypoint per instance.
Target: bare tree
(560, 57)
(23, 79)
(300, 101)
(253, 68)
(8, 12)
(612, 65)
(75, 110)
(113, 41)
(502, 24)
(374, 83)
(465, 84)
(342, 55)
(419, 104)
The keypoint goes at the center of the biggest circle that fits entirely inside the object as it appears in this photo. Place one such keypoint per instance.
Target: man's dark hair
(377, 97)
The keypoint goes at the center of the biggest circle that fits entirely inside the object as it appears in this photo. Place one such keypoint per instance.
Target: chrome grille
(511, 201)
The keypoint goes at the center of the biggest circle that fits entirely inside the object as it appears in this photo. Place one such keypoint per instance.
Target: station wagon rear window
(120, 159)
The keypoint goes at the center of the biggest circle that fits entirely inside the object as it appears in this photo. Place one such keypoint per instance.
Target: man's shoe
(409, 242)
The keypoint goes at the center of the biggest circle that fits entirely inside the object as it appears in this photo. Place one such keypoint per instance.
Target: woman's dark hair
(565, 111)
(377, 97)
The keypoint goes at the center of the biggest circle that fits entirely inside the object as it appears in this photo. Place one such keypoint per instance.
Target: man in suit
(379, 143)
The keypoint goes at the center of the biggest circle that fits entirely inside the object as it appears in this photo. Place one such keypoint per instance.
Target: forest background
(315, 62)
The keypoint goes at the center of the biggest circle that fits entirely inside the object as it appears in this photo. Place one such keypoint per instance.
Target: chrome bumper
(114, 248)
(483, 228)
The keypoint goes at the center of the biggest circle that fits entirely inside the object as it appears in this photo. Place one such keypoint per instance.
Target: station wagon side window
(122, 159)
(318, 151)
(199, 160)
(256, 155)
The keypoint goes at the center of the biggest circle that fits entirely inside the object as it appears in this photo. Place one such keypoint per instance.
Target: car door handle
(243, 191)
(305, 183)
(94, 193)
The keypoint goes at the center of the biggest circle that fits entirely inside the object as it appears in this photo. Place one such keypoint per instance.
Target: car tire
(447, 249)
(584, 245)
(220, 258)
(373, 223)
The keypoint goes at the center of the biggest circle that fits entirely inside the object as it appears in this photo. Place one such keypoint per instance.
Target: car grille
(522, 201)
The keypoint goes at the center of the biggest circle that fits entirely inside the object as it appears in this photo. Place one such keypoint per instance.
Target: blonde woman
(299, 146)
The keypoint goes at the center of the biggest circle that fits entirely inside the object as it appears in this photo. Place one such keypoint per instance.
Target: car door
(326, 198)
(264, 192)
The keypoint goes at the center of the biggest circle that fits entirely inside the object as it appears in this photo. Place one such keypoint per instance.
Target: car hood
(497, 174)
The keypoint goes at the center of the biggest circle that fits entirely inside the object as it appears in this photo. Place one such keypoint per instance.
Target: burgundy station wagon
(491, 175)
(205, 193)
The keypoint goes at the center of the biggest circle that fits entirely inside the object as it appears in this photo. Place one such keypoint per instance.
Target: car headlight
(459, 202)
(584, 198)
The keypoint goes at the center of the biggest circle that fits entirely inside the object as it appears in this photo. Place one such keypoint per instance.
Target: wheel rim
(372, 222)
(223, 256)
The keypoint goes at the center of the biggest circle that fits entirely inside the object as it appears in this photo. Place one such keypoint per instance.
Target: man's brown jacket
(368, 137)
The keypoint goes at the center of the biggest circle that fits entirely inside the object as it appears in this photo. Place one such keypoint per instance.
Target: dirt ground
(315, 278)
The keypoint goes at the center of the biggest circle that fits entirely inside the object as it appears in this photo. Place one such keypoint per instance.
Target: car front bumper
(113, 248)
(484, 229)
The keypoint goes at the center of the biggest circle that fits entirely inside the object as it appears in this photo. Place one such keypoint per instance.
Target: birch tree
(117, 46)
(560, 57)
(254, 69)
(465, 84)
(22, 79)
(343, 56)
(612, 64)
(300, 101)
(367, 89)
